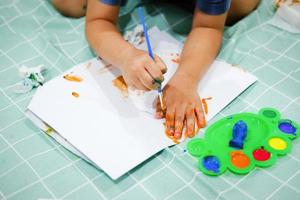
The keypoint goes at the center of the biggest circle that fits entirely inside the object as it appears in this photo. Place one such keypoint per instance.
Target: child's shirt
(211, 7)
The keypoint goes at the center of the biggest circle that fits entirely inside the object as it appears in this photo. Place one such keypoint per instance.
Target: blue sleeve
(213, 7)
(111, 2)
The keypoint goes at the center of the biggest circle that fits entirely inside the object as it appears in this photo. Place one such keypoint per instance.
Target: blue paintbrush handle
(143, 22)
(142, 18)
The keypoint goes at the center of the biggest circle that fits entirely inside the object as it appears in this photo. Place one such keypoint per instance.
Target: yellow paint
(277, 143)
(49, 130)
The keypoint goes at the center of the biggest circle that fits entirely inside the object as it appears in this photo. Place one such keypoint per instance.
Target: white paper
(287, 16)
(111, 130)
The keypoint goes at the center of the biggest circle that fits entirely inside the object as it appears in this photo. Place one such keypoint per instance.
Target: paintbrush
(142, 19)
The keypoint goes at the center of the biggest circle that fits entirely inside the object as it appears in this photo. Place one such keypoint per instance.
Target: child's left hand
(182, 107)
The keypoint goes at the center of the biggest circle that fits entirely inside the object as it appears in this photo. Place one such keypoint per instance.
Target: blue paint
(239, 133)
(211, 163)
(287, 127)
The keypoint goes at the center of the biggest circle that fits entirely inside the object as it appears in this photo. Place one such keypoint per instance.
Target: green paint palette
(267, 137)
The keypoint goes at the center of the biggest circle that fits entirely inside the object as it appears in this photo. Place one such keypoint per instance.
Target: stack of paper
(94, 115)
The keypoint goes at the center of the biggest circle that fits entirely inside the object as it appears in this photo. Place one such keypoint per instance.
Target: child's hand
(141, 72)
(183, 107)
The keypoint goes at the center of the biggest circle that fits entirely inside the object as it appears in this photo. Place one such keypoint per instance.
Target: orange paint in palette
(72, 78)
(204, 103)
(121, 85)
(239, 159)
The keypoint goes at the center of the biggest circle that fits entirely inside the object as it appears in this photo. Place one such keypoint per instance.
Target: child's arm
(137, 67)
(202, 45)
(183, 104)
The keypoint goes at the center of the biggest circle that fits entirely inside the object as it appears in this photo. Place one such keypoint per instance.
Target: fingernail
(170, 132)
(177, 135)
(159, 115)
(190, 133)
(202, 124)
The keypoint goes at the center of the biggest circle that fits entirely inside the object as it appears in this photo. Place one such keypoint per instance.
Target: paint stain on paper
(104, 69)
(75, 94)
(121, 85)
(204, 103)
(73, 78)
(88, 65)
(241, 69)
(175, 58)
(278, 3)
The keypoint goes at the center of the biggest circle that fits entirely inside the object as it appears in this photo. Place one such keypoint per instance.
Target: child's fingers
(170, 120)
(190, 122)
(159, 112)
(179, 119)
(154, 71)
(201, 122)
(137, 84)
(147, 80)
(161, 64)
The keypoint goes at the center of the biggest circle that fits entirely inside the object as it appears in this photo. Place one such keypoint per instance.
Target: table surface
(34, 166)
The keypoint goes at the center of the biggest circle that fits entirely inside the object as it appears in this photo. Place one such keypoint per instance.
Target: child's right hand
(141, 72)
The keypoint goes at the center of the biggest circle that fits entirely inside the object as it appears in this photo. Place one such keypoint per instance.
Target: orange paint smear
(105, 68)
(176, 58)
(121, 85)
(72, 78)
(172, 138)
(75, 94)
(239, 159)
(177, 61)
(204, 103)
(279, 3)
(175, 140)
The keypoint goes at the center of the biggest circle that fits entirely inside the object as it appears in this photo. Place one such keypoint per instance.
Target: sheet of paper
(92, 109)
(287, 16)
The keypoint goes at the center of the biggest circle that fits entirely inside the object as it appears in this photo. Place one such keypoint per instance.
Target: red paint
(261, 154)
